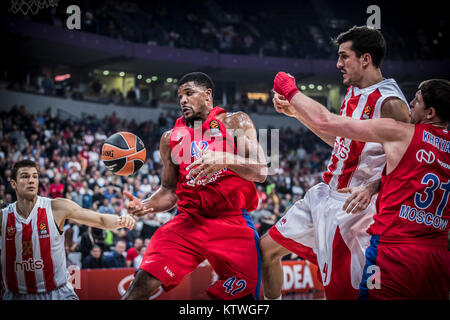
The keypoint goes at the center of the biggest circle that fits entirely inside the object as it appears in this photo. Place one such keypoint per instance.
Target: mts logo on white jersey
(33, 258)
(29, 265)
(340, 149)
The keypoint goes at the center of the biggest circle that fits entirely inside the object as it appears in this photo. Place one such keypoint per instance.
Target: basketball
(123, 153)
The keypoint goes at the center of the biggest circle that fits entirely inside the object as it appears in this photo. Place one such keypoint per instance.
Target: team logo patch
(214, 124)
(10, 231)
(215, 129)
(42, 228)
(367, 112)
(424, 156)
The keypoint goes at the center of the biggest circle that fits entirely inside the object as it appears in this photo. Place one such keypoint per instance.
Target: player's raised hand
(135, 206)
(285, 85)
(281, 105)
(126, 221)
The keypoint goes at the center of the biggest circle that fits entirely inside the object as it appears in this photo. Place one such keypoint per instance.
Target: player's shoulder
(390, 88)
(236, 119)
(166, 135)
(60, 203)
(165, 138)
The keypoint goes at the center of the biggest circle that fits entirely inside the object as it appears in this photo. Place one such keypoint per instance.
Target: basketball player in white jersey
(33, 259)
(317, 227)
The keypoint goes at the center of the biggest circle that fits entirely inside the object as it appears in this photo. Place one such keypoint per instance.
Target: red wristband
(285, 84)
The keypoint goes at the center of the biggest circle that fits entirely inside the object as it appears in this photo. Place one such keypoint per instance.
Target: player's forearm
(374, 187)
(328, 139)
(312, 114)
(247, 168)
(162, 200)
(100, 220)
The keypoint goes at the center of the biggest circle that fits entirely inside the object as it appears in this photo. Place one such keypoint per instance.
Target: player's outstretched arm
(67, 209)
(314, 114)
(165, 197)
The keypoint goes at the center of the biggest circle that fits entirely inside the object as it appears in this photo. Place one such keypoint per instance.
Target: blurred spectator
(56, 189)
(137, 261)
(106, 207)
(90, 238)
(116, 258)
(133, 252)
(94, 260)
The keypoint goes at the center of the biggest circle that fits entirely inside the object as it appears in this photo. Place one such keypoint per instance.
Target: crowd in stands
(285, 29)
(67, 152)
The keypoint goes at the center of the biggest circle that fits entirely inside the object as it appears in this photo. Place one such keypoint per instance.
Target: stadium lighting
(122, 74)
(303, 87)
(62, 77)
(154, 78)
(148, 80)
(106, 72)
(311, 86)
(139, 76)
(169, 80)
(319, 87)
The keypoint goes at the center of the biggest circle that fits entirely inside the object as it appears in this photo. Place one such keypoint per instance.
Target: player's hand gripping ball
(123, 153)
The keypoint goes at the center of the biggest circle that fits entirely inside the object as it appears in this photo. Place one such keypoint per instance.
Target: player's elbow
(262, 173)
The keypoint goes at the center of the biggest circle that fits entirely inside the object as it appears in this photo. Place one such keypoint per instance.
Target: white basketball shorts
(317, 229)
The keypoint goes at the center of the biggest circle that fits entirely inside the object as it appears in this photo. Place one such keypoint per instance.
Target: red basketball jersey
(227, 193)
(413, 199)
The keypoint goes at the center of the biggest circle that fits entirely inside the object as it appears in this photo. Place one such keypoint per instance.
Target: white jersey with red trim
(33, 257)
(356, 163)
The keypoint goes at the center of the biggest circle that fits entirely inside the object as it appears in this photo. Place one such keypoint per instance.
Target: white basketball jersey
(33, 257)
(355, 163)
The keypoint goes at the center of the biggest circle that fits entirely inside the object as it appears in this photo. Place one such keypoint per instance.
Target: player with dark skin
(196, 102)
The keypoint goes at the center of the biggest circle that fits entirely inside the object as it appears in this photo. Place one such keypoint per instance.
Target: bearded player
(211, 159)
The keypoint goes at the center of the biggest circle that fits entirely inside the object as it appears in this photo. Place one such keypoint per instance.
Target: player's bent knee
(271, 250)
(142, 287)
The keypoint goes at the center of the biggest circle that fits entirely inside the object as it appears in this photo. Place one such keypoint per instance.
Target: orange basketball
(123, 153)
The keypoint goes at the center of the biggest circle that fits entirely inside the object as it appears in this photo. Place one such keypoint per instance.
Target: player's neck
(372, 77)
(200, 119)
(436, 123)
(24, 206)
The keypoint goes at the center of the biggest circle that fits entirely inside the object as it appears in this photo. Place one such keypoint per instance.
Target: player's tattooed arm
(249, 162)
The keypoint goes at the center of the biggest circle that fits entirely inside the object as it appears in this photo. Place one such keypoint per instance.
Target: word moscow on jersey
(422, 201)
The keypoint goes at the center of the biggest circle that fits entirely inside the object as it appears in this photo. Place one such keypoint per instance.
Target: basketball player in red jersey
(407, 257)
(211, 180)
(317, 227)
(33, 258)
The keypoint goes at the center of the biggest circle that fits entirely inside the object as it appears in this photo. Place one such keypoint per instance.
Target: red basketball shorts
(229, 243)
(405, 271)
